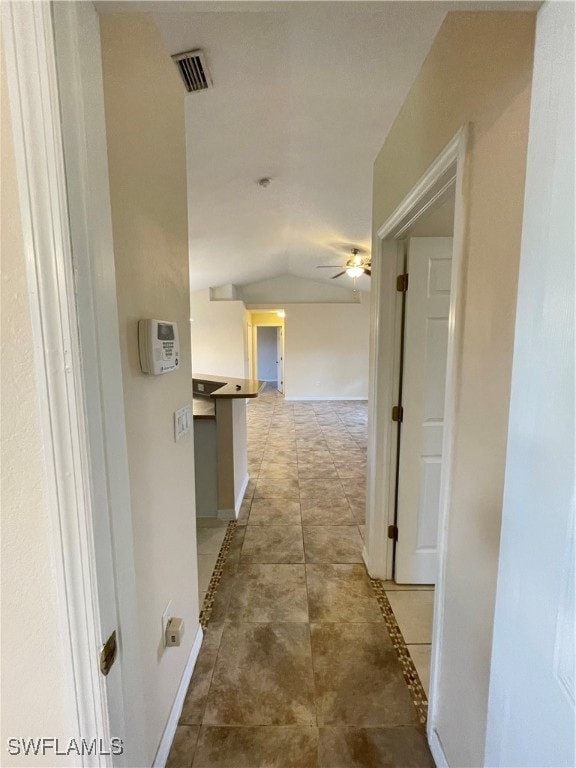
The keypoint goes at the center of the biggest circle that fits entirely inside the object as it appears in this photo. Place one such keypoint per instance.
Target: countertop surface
(230, 387)
(203, 408)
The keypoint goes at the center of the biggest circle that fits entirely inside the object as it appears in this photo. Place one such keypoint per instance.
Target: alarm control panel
(158, 346)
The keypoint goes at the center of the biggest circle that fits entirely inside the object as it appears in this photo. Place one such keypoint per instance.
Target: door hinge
(393, 532)
(108, 654)
(398, 414)
(402, 283)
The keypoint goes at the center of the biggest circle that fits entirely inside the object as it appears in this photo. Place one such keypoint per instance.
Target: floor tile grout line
(216, 578)
(336, 454)
(411, 676)
(310, 641)
(216, 575)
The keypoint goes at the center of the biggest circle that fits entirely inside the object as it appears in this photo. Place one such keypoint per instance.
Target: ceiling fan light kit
(355, 266)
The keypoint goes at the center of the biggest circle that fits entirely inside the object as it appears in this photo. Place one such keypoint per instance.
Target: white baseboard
(374, 571)
(241, 492)
(232, 514)
(366, 559)
(436, 749)
(341, 397)
(170, 730)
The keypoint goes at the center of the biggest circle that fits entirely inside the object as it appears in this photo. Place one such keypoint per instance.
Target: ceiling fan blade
(329, 266)
(367, 271)
(338, 275)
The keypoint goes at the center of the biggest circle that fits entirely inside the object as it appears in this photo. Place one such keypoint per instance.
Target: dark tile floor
(297, 668)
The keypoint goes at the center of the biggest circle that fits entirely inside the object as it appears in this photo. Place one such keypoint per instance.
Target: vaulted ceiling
(304, 94)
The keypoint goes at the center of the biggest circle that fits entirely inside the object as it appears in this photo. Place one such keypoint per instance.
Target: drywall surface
(326, 351)
(479, 71)
(206, 456)
(37, 687)
(219, 336)
(289, 289)
(267, 349)
(266, 318)
(531, 713)
(144, 105)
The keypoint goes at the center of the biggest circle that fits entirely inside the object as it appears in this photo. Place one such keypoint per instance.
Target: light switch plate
(182, 422)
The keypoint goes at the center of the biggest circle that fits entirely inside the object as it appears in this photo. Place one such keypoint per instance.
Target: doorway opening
(424, 299)
(266, 347)
(417, 307)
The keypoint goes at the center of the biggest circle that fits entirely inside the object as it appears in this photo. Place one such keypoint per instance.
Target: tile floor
(297, 667)
(210, 534)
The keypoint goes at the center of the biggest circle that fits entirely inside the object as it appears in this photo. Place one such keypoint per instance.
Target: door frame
(403, 299)
(280, 363)
(253, 330)
(72, 300)
(449, 168)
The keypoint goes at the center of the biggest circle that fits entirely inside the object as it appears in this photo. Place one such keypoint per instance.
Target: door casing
(79, 383)
(449, 168)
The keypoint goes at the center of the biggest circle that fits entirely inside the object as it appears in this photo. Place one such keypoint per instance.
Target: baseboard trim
(300, 399)
(436, 749)
(240, 497)
(366, 560)
(171, 725)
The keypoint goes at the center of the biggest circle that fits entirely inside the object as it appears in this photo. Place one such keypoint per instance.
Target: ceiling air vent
(193, 70)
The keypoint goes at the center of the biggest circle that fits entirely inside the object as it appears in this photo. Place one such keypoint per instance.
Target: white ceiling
(304, 93)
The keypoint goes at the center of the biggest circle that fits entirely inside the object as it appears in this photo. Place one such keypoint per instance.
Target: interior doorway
(266, 346)
(425, 309)
(416, 367)
(270, 355)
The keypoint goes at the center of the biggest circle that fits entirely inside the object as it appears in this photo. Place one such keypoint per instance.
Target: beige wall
(144, 102)
(479, 71)
(326, 351)
(36, 694)
(325, 345)
(219, 330)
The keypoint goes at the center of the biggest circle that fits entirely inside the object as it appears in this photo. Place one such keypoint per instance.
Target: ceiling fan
(356, 266)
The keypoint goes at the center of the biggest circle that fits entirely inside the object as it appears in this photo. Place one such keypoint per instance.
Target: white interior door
(420, 459)
(280, 359)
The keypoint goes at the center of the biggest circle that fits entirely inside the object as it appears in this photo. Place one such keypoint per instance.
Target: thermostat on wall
(158, 345)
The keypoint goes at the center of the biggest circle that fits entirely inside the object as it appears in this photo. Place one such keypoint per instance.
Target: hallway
(297, 666)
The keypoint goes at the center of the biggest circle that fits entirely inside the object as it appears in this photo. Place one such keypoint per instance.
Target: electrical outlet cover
(165, 619)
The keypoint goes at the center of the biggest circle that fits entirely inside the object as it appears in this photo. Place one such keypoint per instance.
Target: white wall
(267, 348)
(219, 336)
(144, 104)
(478, 70)
(289, 289)
(36, 694)
(326, 345)
(326, 351)
(531, 714)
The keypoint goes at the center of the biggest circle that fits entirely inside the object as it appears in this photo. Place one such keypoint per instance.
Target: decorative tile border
(216, 575)
(417, 692)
